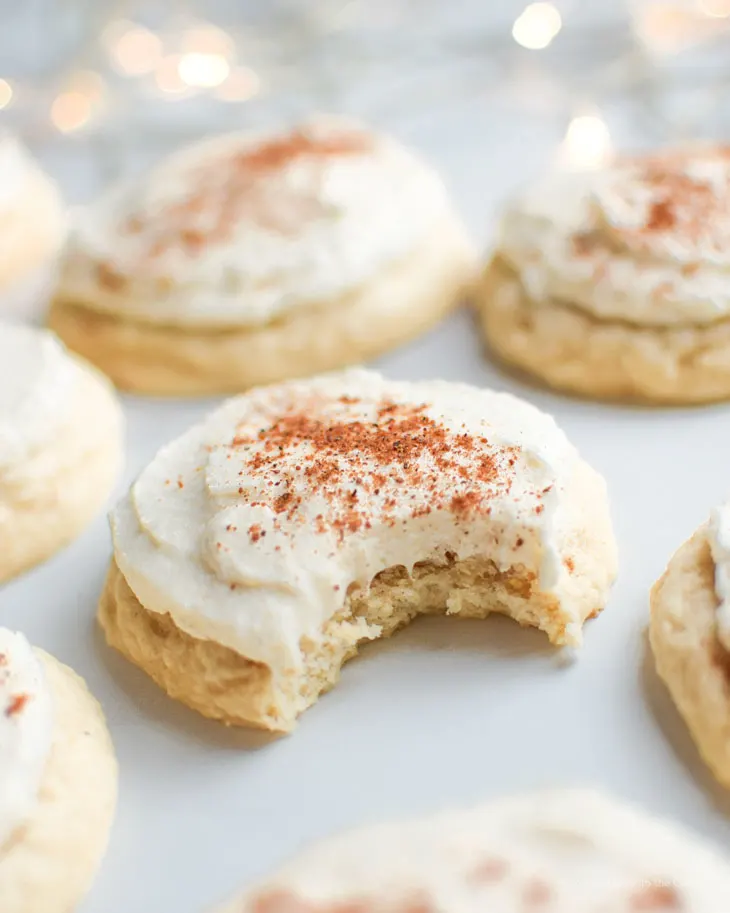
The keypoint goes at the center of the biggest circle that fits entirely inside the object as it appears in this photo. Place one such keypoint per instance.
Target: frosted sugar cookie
(614, 284)
(33, 226)
(690, 637)
(258, 551)
(251, 258)
(58, 782)
(60, 446)
(554, 852)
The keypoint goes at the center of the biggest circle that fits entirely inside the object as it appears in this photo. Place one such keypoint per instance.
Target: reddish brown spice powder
(16, 705)
(350, 461)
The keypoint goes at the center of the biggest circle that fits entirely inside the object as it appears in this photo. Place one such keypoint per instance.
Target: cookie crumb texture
(553, 852)
(613, 360)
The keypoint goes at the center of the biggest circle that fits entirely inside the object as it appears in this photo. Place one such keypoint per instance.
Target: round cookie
(33, 228)
(58, 782)
(252, 258)
(613, 285)
(690, 637)
(257, 552)
(568, 851)
(60, 446)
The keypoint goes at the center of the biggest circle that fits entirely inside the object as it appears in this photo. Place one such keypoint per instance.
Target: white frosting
(645, 241)
(244, 228)
(567, 851)
(718, 535)
(249, 528)
(26, 730)
(36, 381)
(16, 167)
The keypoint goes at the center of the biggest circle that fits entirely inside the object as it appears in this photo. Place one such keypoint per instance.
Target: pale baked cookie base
(397, 305)
(572, 351)
(221, 684)
(46, 501)
(49, 863)
(32, 233)
(689, 658)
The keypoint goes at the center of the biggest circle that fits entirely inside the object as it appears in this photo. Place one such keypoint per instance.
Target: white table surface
(448, 711)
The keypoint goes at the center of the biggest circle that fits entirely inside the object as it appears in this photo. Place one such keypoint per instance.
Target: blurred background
(100, 87)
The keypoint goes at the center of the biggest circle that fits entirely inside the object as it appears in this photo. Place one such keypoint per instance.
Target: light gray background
(448, 711)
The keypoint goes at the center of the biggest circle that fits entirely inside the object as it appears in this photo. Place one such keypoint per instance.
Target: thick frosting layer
(244, 228)
(37, 378)
(250, 528)
(568, 851)
(644, 241)
(26, 730)
(718, 534)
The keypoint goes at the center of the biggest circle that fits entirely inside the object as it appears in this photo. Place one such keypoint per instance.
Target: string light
(203, 70)
(207, 39)
(242, 84)
(537, 25)
(88, 83)
(136, 50)
(587, 144)
(70, 111)
(6, 93)
(167, 76)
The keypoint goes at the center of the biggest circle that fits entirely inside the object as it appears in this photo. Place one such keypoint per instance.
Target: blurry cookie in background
(255, 257)
(58, 782)
(615, 284)
(690, 637)
(32, 219)
(60, 446)
(563, 851)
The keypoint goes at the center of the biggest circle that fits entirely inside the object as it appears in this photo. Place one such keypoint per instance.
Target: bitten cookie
(58, 782)
(568, 851)
(690, 637)
(258, 551)
(251, 258)
(614, 284)
(33, 222)
(60, 446)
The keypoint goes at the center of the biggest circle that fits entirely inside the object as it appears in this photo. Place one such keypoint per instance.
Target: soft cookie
(60, 446)
(568, 851)
(690, 637)
(256, 553)
(613, 284)
(251, 258)
(32, 232)
(58, 782)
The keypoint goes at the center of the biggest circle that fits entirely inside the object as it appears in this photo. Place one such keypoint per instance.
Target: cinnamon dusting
(16, 704)
(236, 185)
(365, 469)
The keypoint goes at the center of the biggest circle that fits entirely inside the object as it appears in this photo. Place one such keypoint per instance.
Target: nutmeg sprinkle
(364, 468)
(238, 185)
(16, 704)
(689, 198)
(656, 898)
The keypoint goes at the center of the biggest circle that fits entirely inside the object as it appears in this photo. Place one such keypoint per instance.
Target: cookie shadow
(675, 731)
(137, 690)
